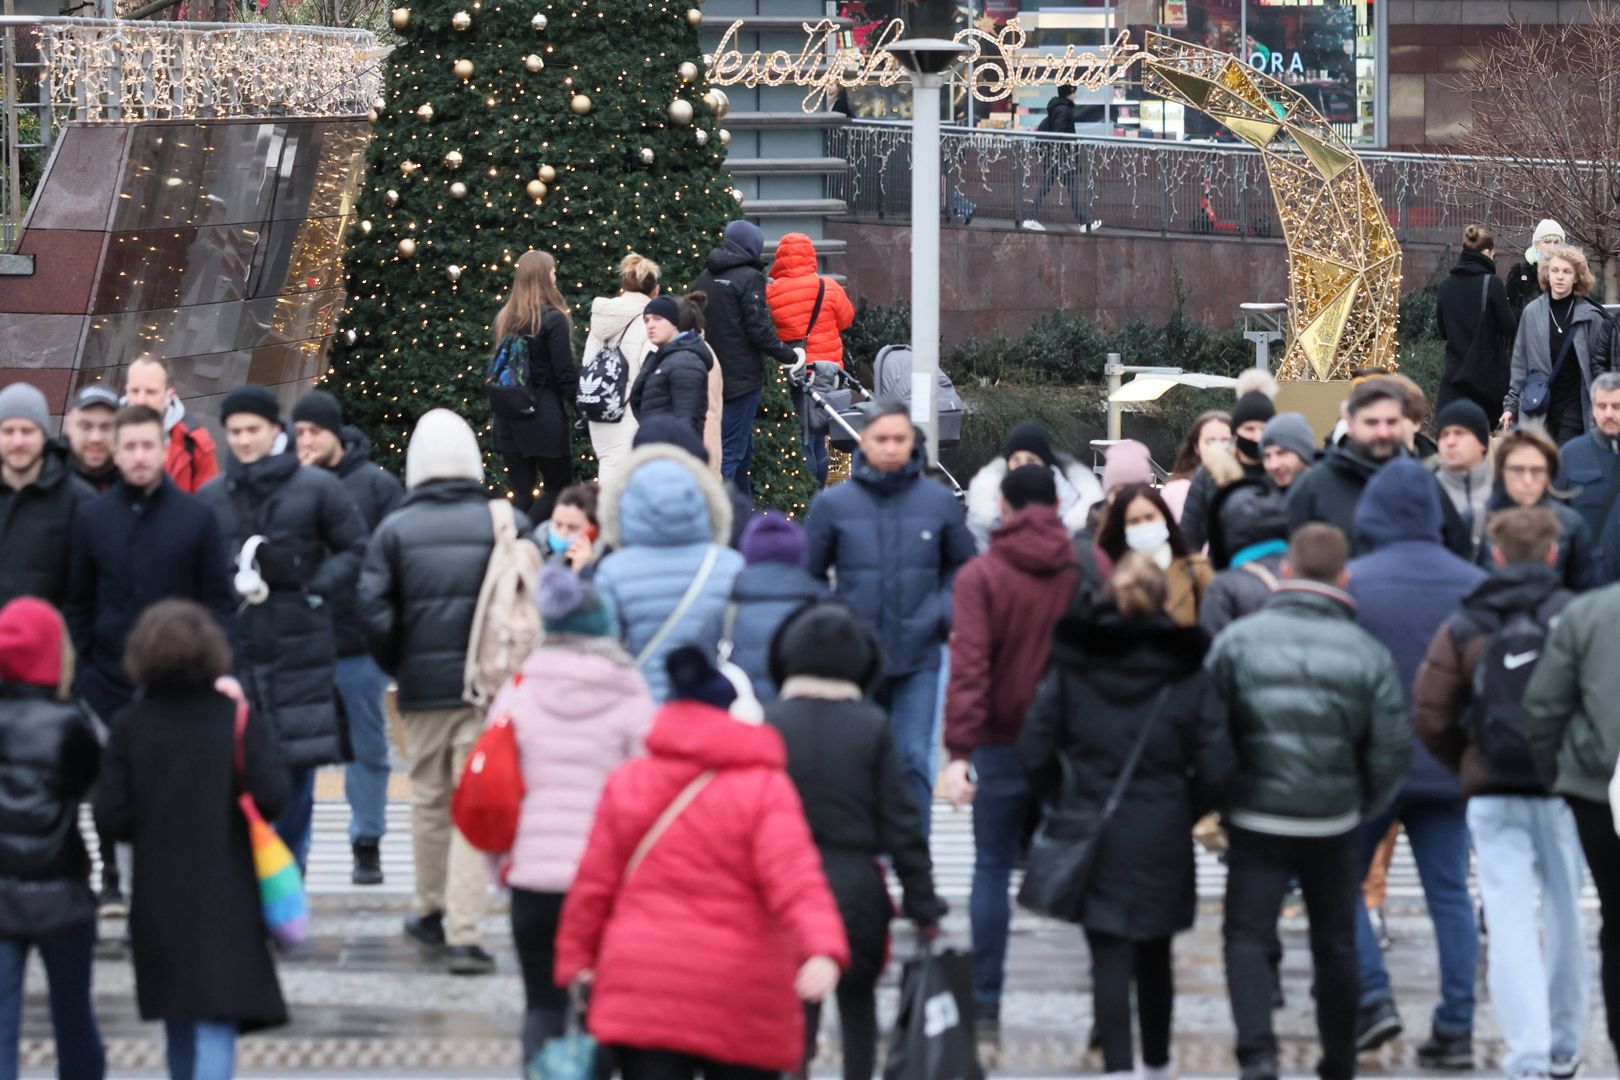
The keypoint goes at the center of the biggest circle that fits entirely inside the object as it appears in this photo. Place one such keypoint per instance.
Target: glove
(796, 372)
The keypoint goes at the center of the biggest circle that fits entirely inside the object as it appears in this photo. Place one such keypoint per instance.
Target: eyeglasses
(1531, 472)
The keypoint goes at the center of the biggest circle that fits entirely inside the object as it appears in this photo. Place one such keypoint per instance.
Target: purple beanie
(1129, 462)
(772, 538)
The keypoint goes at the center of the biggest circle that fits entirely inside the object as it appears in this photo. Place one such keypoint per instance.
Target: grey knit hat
(1291, 431)
(22, 401)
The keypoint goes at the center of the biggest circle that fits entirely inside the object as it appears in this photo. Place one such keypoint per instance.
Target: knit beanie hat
(258, 400)
(1128, 462)
(321, 409)
(1546, 229)
(1030, 436)
(693, 678)
(826, 639)
(672, 430)
(443, 447)
(21, 401)
(746, 235)
(571, 606)
(1465, 414)
(773, 538)
(1291, 431)
(1251, 407)
(665, 307)
(1029, 484)
(31, 635)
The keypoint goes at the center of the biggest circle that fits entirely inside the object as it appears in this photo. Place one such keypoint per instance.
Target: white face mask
(1148, 537)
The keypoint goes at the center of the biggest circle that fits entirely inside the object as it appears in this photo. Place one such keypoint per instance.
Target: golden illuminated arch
(1344, 265)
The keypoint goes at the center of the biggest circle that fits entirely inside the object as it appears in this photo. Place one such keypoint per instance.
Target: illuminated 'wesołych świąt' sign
(999, 63)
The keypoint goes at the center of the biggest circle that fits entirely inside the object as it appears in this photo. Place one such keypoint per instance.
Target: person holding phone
(569, 537)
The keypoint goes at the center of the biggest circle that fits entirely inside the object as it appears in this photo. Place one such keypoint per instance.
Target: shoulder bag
(700, 579)
(815, 313)
(1535, 396)
(666, 819)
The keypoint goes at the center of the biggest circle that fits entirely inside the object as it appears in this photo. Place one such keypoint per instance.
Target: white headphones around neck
(250, 584)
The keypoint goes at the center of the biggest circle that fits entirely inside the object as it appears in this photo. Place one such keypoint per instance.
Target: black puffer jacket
(1247, 544)
(675, 380)
(858, 802)
(34, 530)
(1330, 491)
(1316, 712)
(1089, 712)
(376, 492)
(740, 328)
(419, 589)
(1195, 521)
(284, 651)
(48, 760)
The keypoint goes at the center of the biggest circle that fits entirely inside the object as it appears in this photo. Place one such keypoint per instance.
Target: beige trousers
(450, 873)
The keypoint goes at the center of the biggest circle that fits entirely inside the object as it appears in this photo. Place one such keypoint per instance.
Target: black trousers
(857, 1021)
(534, 933)
(637, 1064)
(1595, 823)
(1258, 870)
(1116, 963)
(527, 473)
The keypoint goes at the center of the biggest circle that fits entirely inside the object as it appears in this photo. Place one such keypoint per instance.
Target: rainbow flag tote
(281, 889)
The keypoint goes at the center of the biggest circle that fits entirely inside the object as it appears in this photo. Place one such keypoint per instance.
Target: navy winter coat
(1406, 587)
(1578, 563)
(130, 550)
(1587, 471)
(762, 597)
(376, 493)
(896, 541)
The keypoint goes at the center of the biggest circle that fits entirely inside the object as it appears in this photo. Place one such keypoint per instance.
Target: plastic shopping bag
(933, 1036)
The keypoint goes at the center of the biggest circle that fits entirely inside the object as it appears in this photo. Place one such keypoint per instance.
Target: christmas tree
(584, 128)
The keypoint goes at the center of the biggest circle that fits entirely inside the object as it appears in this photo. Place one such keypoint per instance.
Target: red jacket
(1007, 602)
(792, 297)
(697, 953)
(190, 462)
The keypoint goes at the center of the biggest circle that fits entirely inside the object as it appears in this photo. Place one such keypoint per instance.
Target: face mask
(1248, 448)
(1147, 537)
(558, 544)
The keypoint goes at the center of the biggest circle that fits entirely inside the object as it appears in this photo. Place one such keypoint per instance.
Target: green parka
(1574, 728)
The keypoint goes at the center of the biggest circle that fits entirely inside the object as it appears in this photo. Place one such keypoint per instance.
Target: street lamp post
(927, 60)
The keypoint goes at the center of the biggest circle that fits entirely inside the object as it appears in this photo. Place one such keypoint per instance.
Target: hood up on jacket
(1401, 502)
(711, 738)
(582, 677)
(1078, 492)
(356, 450)
(1035, 541)
(664, 497)
(729, 256)
(31, 634)
(1123, 658)
(795, 257)
(443, 447)
(611, 316)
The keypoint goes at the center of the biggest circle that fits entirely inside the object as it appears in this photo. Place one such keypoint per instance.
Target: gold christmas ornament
(453, 159)
(680, 111)
(461, 21)
(407, 247)
(408, 168)
(646, 155)
(694, 17)
(689, 71)
(736, 193)
(701, 136)
(365, 228)
(453, 272)
(350, 337)
(538, 22)
(424, 112)
(400, 17)
(536, 190)
(718, 101)
(533, 63)
(372, 116)
(548, 174)
(392, 197)
(458, 190)
(463, 69)
(725, 137)
(581, 104)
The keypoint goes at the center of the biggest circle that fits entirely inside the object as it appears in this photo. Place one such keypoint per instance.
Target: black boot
(367, 863)
(1447, 1051)
(428, 933)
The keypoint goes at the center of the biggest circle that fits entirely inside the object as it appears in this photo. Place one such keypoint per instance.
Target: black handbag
(1064, 850)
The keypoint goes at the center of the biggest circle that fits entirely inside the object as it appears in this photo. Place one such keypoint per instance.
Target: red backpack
(489, 799)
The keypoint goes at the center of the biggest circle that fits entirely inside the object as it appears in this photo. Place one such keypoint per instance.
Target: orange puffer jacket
(792, 296)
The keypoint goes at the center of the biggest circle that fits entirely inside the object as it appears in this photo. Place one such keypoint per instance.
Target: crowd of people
(729, 723)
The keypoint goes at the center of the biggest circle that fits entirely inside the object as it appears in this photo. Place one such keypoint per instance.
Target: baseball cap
(96, 395)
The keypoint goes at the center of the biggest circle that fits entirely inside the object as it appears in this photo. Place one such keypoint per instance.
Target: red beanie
(30, 643)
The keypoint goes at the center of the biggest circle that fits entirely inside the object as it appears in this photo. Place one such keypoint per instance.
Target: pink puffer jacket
(580, 710)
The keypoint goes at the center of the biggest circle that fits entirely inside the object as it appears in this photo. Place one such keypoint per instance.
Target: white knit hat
(443, 447)
(1548, 229)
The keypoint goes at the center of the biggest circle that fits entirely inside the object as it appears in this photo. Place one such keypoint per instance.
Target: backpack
(506, 380)
(506, 622)
(604, 383)
(1497, 721)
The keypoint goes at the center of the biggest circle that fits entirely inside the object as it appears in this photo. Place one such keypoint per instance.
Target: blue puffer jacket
(1588, 465)
(1406, 587)
(661, 515)
(765, 595)
(896, 541)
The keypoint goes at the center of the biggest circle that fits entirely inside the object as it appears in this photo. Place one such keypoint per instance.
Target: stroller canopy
(891, 374)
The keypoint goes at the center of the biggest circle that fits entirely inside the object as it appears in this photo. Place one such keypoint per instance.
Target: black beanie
(1030, 436)
(826, 639)
(258, 400)
(693, 678)
(671, 429)
(1250, 407)
(321, 409)
(665, 307)
(1029, 484)
(1465, 414)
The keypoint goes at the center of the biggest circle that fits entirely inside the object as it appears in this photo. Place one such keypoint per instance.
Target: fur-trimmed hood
(1117, 655)
(664, 497)
(1078, 492)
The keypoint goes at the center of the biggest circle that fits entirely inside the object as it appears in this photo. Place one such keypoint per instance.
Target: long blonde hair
(533, 290)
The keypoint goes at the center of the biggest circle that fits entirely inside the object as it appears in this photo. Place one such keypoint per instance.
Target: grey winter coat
(1531, 351)
(1573, 729)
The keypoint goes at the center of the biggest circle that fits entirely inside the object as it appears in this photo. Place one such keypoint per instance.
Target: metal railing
(1146, 185)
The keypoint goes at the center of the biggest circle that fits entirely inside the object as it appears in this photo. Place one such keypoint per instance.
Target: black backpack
(604, 383)
(1497, 721)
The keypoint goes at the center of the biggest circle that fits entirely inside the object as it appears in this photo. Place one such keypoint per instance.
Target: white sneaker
(1163, 1072)
(1093, 227)
(1565, 1070)
(1033, 225)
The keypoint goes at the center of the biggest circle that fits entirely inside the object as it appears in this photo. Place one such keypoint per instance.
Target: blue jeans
(1438, 831)
(67, 955)
(1528, 845)
(737, 440)
(296, 822)
(999, 808)
(201, 1049)
(365, 780)
(913, 704)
